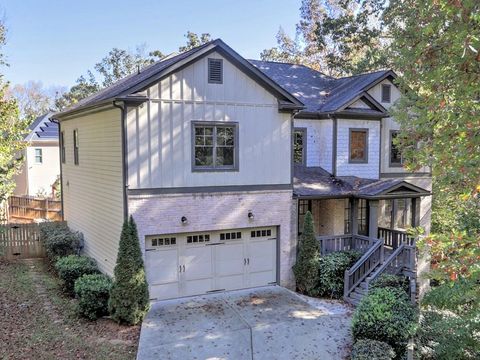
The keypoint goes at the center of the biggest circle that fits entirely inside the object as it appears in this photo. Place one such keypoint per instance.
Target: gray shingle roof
(42, 128)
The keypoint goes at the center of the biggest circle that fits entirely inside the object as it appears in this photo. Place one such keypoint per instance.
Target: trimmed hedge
(391, 281)
(331, 270)
(71, 267)
(93, 292)
(385, 315)
(372, 350)
(59, 240)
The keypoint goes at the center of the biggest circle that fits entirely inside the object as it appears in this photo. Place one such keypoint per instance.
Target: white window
(38, 156)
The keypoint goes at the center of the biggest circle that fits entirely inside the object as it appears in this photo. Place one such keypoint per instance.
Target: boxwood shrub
(93, 292)
(71, 267)
(386, 315)
(331, 270)
(391, 281)
(59, 240)
(372, 350)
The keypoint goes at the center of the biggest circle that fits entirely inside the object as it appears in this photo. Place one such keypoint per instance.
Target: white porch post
(373, 218)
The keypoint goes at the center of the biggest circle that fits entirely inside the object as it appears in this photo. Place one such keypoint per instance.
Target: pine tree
(306, 268)
(129, 295)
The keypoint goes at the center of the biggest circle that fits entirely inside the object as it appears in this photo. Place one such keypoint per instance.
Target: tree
(129, 295)
(306, 267)
(193, 40)
(33, 99)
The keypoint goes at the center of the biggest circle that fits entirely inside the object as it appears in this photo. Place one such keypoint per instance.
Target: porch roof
(316, 182)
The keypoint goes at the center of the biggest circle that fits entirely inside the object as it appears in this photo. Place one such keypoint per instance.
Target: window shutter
(215, 71)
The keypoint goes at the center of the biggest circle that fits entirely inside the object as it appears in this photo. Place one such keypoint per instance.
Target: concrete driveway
(262, 323)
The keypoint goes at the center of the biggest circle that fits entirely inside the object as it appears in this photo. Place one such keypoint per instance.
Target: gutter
(124, 156)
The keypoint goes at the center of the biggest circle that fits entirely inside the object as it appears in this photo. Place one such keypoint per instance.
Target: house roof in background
(43, 129)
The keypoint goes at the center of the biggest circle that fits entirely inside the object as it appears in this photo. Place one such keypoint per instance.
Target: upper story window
(38, 156)
(215, 71)
(62, 147)
(215, 147)
(386, 93)
(75, 147)
(358, 146)
(299, 146)
(396, 158)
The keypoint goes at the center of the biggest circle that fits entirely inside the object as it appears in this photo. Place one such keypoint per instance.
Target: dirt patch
(39, 322)
(255, 300)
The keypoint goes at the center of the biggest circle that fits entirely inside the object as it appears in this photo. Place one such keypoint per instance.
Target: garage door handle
(183, 268)
(244, 261)
(248, 261)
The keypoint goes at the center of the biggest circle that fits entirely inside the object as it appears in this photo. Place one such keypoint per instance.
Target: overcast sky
(56, 41)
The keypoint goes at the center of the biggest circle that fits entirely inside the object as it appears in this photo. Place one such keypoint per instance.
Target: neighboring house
(218, 158)
(42, 163)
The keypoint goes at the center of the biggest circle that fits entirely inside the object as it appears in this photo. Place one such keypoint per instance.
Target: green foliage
(372, 350)
(93, 292)
(385, 315)
(306, 267)
(129, 295)
(331, 270)
(72, 267)
(59, 240)
(391, 281)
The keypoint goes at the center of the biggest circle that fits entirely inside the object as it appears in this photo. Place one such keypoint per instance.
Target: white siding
(92, 190)
(359, 104)
(376, 93)
(319, 142)
(41, 176)
(368, 170)
(159, 132)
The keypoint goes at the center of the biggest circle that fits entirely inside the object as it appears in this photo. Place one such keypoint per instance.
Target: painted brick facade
(161, 214)
(369, 170)
(319, 142)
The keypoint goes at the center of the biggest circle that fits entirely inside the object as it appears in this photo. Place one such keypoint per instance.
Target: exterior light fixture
(184, 220)
(250, 215)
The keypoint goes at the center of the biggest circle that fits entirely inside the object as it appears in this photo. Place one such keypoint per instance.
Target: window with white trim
(38, 156)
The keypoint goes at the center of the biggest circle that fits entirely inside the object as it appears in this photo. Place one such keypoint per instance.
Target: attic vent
(215, 71)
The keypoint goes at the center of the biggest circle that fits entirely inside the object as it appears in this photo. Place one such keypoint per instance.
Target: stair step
(357, 296)
(360, 291)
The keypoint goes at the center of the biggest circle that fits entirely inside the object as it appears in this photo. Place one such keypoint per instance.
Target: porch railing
(370, 260)
(394, 238)
(335, 243)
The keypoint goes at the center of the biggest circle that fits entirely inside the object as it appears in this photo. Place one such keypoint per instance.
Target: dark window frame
(347, 216)
(62, 147)
(210, 62)
(304, 205)
(386, 93)
(363, 217)
(392, 149)
(364, 160)
(303, 131)
(38, 156)
(236, 145)
(76, 159)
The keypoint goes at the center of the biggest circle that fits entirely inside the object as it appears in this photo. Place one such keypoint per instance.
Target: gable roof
(132, 84)
(42, 128)
(319, 92)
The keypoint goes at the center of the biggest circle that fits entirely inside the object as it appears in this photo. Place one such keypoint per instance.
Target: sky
(56, 41)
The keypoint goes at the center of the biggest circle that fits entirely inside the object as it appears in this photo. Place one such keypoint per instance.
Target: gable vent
(215, 71)
(386, 93)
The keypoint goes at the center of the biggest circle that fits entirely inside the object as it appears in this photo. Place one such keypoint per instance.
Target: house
(218, 159)
(41, 168)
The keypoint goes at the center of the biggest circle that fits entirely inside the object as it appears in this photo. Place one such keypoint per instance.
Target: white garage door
(198, 263)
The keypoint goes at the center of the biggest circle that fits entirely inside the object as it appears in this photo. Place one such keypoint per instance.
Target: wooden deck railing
(394, 238)
(370, 260)
(28, 209)
(335, 243)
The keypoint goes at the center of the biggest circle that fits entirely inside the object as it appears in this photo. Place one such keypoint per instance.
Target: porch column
(373, 218)
(354, 215)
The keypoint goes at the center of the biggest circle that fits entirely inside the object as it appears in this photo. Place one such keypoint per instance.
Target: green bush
(71, 267)
(385, 315)
(306, 267)
(391, 281)
(129, 295)
(93, 292)
(331, 271)
(372, 350)
(59, 240)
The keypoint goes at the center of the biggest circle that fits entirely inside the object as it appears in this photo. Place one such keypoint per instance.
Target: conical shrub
(129, 295)
(308, 257)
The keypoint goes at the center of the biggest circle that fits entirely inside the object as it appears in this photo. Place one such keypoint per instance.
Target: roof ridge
(362, 74)
(289, 63)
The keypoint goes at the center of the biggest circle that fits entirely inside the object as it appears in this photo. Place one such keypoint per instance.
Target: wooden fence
(20, 241)
(28, 209)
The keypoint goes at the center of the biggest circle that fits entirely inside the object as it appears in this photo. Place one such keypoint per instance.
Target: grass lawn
(38, 322)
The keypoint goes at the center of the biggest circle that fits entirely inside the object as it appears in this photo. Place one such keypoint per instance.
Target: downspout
(62, 188)
(124, 157)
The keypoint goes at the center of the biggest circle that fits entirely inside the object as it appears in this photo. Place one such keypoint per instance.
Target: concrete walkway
(262, 323)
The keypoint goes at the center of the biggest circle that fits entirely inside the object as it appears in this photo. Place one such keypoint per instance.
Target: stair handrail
(385, 264)
(349, 273)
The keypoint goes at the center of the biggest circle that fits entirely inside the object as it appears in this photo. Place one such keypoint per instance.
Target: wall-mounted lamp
(250, 215)
(184, 220)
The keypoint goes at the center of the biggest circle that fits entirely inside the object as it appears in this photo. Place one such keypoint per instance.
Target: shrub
(92, 292)
(306, 267)
(59, 240)
(391, 281)
(71, 267)
(385, 315)
(372, 350)
(331, 271)
(129, 295)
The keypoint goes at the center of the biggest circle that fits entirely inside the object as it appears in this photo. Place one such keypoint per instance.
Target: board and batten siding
(92, 190)
(159, 132)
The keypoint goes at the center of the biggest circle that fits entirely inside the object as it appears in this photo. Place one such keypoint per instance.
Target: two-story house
(218, 158)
